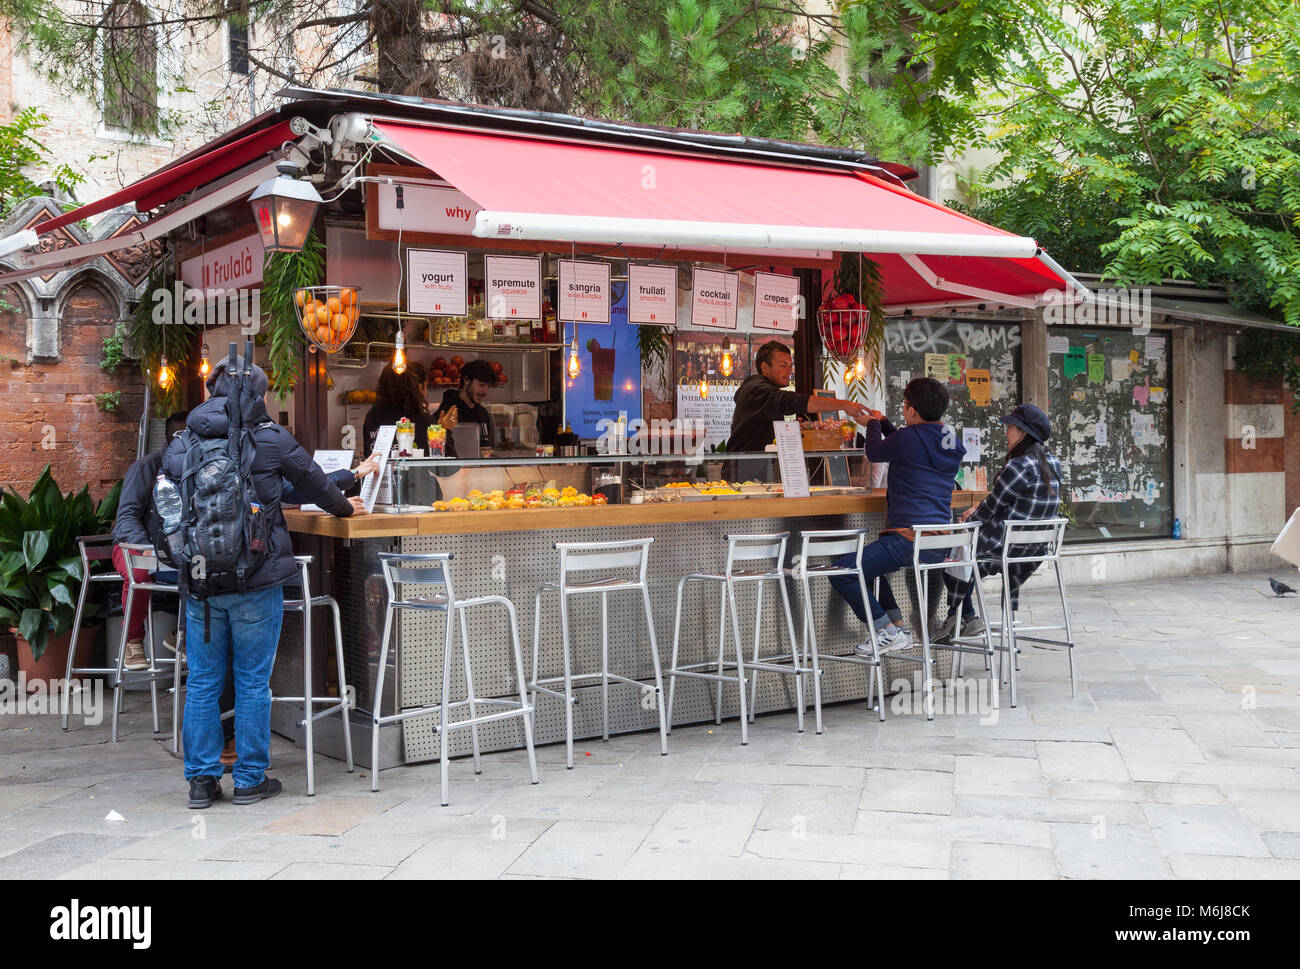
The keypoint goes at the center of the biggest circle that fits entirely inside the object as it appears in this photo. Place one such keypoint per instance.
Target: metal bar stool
(93, 548)
(960, 540)
(583, 558)
(817, 556)
(340, 704)
(1038, 541)
(742, 549)
(437, 573)
(144, 558)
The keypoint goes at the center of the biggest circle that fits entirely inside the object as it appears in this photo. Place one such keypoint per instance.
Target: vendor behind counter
(477, 378)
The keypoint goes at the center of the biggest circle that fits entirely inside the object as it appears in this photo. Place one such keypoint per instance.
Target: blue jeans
(245, 631)
(889, 553)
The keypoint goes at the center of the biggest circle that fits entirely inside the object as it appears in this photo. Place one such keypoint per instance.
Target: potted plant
(40, 569)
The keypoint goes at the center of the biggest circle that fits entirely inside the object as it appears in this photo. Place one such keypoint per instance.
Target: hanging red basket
(842, 323)
(328, 314)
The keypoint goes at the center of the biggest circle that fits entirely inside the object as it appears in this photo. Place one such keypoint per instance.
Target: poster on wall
(437, 282)
(698, 356)
(714, 297)
(652, 294)
(609, 383)
(776, 302)
(513, 287)
(584, 291)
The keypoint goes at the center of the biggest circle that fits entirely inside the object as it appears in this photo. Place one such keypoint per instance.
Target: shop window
(130, 68)
(950, 350)
(1111, 427)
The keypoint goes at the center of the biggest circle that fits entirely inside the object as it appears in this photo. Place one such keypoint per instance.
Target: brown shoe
(228, 756)
(134, 659)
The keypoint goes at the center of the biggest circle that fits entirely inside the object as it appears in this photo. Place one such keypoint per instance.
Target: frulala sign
(652, 294)
(236, 265)
(776, 302)
(714, 298)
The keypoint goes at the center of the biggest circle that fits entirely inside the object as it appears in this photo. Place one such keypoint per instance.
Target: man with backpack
(236, 556)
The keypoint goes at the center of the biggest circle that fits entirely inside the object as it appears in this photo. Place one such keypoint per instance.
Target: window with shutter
(130, 53)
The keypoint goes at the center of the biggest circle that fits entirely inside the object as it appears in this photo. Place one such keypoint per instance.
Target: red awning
(638, 190)
(191, 171)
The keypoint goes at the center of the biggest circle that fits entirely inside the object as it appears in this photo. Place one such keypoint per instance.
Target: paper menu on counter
(790, 458)
(383, 446)
(330, 461)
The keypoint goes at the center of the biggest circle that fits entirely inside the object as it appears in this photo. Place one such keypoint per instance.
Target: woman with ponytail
(1027, 488)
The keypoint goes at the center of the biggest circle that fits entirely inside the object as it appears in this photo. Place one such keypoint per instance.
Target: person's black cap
(1031, 420)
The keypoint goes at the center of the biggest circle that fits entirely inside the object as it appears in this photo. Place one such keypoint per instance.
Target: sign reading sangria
(652, 294)
(584, 291)
(437, 282)
(776, 302)
(714, 299)
(237, 265)
(514, 287)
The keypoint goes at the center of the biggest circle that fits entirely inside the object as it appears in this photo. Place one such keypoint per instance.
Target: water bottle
(167, 499)
(1178, 528)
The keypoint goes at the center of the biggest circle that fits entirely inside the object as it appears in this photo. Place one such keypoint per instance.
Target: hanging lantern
(328, 315)
(575, 365)
(726, 357)
(283, 208)
(399, 354)
(165, 375)
(704, 388)
(205, 367)
(860, 367)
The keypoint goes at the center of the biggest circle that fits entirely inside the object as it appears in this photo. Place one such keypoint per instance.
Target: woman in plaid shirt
(1027, 488)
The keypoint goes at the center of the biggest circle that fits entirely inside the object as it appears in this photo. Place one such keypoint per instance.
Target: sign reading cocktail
(514, 287)
(652, 294)
(584, 291)
(776, 302)
(714, 299)
(436, 282)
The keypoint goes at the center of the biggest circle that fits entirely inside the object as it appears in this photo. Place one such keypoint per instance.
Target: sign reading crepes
(714, 298)
(437, 282)
(652, 294)
(237, 265)
(584, 291)
(514, 287)
(776, 302)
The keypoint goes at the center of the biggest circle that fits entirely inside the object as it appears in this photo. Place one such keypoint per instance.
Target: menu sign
(714, 298)
(436, 282)
(371, 486)
(790, 458)
(329, 462)
(584, 291)
(514, 287)
(776, 302)
(652, 294)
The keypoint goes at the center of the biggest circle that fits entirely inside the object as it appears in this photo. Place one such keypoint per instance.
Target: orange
(334, 303)
(300, 297)
(322, 315)
(323, 335)
(354, 313)
(339, 322)
(347, 296)
(309, 309)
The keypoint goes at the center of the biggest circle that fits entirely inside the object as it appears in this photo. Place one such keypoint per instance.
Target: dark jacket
(378, 417)
(923, 462)
(132, 523)
(278, 457)
(465, 414)
(759, 402)
(343, 479)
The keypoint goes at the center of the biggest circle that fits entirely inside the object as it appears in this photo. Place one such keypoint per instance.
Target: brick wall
(50, 414)
(1291, 453)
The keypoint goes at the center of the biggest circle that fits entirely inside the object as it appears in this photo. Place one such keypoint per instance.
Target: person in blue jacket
(924, 456)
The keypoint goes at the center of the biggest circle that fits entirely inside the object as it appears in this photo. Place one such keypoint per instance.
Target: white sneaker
(134, 659)
(890, 638)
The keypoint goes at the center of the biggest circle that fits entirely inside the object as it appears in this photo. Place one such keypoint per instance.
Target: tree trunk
(399, 29)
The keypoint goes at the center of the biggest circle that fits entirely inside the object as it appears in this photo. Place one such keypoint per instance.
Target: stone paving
(1180, 758)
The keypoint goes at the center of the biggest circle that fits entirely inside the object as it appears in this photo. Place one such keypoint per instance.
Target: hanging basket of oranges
(842, 323)
(328, 315)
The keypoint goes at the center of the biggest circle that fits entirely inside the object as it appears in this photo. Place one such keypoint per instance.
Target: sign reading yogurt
(776, 302)
(514, 287)
(436, 282)
(584, 291)
(652, 294)
(713, 299)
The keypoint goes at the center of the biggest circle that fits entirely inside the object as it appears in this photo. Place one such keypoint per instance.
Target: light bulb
(726, 365)
(860, 368)
(399, 355)
(704, 388)
(164, 374)
(205, 367)
(575, 365)
(284, 218)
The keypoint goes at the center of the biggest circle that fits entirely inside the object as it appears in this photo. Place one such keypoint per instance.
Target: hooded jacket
(923, 463)
(278, 457)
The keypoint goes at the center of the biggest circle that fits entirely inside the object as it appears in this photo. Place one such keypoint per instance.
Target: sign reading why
(514, 287)
(652, 294)
(714, 299)
(584, 291)
(436, 282)
(237, 265)
(776, 302)
(431, 207)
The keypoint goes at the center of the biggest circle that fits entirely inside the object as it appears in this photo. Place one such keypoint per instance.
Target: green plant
(859, 277)
(156, 334)
(282, 275)
(1264, 354)
(39, 563)
(653, 344)
(114, 349)
(109, 402)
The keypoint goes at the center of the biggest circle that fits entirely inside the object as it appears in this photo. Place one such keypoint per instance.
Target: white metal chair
(93, 549)
(332, 705)
(581, 559)
(742, 549)
(960, 540)
(435, 570)
(817, 555)
(1026, 543)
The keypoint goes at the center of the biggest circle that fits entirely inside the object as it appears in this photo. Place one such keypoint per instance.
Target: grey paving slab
(1283, 844)
(655, 864)
(1110, 851)
(1268, 810)
(939, 828)
(716, 829)
(1082, 761)
(913, 791)
(458, 858)
(890, 873)
(58, 854)
(868, 850)
(1204, 829)
(1005, 776)
(203, 870)
(581, 849)
(983, 861)
(1219, 867)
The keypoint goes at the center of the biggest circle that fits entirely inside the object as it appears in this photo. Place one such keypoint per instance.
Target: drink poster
(609, 382)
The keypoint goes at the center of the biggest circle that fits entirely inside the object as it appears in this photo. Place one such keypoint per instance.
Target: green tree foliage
(21, 151)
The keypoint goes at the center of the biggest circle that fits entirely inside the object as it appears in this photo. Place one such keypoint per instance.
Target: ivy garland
(860, 277)
(158, 330)
(283, 273)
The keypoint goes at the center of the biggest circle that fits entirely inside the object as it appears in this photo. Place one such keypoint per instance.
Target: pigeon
(1279, 588)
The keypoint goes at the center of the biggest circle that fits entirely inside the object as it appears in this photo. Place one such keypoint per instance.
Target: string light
(726, 357)
(704, 388)
(575, 365)
(205, 367)
(164, 374)
(860, 367)
(399, 354)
